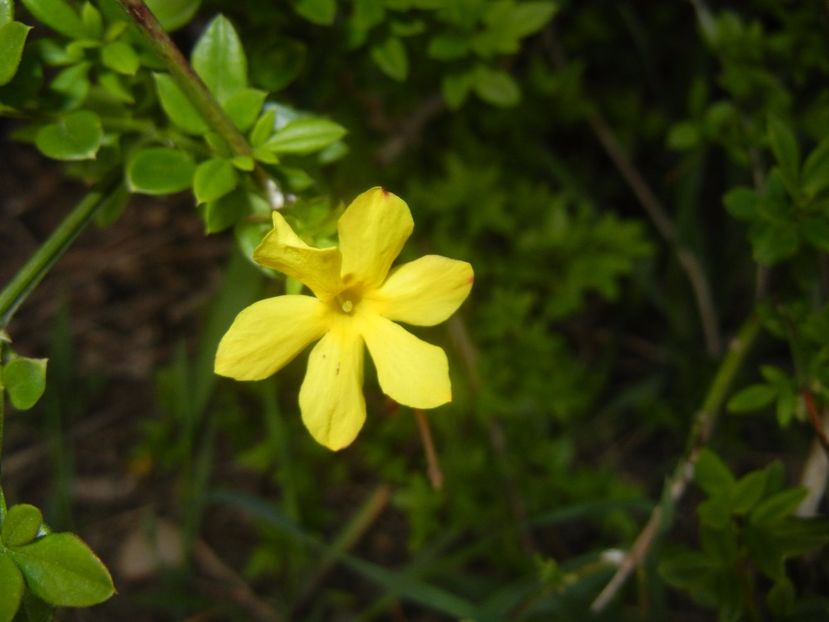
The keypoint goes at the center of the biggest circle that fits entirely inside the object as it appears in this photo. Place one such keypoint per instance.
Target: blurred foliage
(579, 359)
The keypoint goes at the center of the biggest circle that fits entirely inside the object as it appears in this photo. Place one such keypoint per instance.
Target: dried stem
(675, 487)
(434, 470)
(688, 261)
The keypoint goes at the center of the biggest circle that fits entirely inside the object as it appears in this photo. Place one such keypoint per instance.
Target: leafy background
(577, 154)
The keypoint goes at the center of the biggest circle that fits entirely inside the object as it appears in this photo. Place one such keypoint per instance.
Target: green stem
(21, 285)
(674, 488)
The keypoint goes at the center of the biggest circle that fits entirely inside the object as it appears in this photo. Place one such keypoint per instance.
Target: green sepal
(63, 571)
(21, 525)
(25, 381)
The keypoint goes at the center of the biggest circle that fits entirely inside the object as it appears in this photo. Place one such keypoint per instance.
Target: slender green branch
(675, 486)
(33, 271)
(195, 89)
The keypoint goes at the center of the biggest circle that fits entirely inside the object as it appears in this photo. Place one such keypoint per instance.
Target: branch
(33, 271)
(196, 90)
(675, 487)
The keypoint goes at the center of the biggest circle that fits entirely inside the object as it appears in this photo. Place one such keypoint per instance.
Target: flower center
(347, 301)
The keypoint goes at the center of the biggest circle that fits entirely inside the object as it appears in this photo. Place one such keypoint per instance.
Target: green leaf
(390, 56)
(815, 174)
(63, 571)
(781, 597)
(214, 179)
(173, 14)
(160, 170)
(6, 11)
(75, 136)
(177, 106)
(243, 163)
(778, 506)
(279, 63)
(12, 39)
(496, 87)
(263, 129)
(92, 21)
(691, 571)
(524, 18)
(11, 586)
(220, 61)
(119, 56)
(815, 230)
(58, 15)
(226, 212)
(711, 473)
(35, 609)
(774, 242)
(455, 89)
(111, 83)
(244, 107)
(303, 136)
(25, 381)
(21, 525)
(748, 490)
(367, 14)
(684, 135)
(320, 12)
(752, 398)
(449, 46)
(784, 147)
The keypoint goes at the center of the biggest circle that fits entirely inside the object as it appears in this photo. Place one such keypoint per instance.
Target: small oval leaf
(76, 136)
(25, 381)
(178, 108)
(21, 524)
(173, 14)
(12, 39)
(214, 179)
(63, 571)
(160, 170)
(303, 136)
(219, 59)
(119, 56)
(58, 15)
(11, 582)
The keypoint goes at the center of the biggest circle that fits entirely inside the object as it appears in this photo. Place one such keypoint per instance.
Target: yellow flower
(357, 300)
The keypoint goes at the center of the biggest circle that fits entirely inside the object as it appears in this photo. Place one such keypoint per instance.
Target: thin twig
(433, 469)
(657, 213)
(674, 489)
(815, 418)
(688, 261)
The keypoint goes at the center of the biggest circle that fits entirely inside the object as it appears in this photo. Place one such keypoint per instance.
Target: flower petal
(411, 371)
(372, 231)
(266, 335)
(423, 292)
(283, 250)
(331, 397)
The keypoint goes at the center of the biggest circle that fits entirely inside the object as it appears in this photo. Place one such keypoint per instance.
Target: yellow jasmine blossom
(356, 300)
